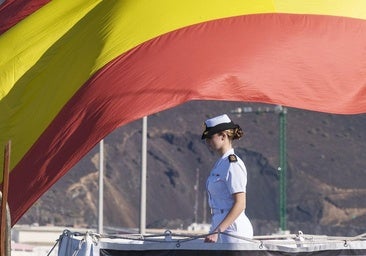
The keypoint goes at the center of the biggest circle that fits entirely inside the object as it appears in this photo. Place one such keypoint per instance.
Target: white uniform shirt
(227, 178)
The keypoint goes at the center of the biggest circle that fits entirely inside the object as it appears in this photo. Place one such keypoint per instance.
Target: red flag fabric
(73, 71)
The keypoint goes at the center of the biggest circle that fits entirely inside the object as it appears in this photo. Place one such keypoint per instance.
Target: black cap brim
(209, 131)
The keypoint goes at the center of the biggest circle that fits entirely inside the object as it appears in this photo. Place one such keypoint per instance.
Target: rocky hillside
(325, 178)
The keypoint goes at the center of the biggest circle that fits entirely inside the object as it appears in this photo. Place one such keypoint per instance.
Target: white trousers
(240, 227)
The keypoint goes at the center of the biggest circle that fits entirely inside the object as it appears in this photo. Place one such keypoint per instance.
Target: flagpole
(142, 228)
(101, 176)
(5, 217)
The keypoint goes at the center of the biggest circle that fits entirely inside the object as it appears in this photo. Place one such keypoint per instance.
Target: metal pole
(143, 177)
(196, 190)
(5, 214)
(283, 169)
(101, 176)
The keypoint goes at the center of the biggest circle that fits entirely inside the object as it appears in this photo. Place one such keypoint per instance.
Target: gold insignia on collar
(232, 158)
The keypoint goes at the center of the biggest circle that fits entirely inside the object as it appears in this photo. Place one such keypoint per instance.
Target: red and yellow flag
(73, 71)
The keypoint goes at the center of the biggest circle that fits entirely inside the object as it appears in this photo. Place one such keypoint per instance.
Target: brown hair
(235, 134)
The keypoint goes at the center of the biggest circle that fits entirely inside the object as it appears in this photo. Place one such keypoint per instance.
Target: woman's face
(215, 142)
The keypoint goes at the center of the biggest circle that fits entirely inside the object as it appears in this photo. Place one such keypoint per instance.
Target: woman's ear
(223, 134)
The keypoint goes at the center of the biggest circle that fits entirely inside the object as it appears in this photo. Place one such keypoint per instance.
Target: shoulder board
(232, 158)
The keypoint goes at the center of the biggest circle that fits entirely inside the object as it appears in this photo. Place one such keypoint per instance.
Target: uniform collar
(229, 152)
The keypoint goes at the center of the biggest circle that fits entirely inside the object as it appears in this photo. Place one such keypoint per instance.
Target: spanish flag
(73, 71)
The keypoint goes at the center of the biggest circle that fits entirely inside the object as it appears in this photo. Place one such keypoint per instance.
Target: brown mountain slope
(325, 178)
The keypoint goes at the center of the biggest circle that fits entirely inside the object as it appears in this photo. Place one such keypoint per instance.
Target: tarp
(73, 71)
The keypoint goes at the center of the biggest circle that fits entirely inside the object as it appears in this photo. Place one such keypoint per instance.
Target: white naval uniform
(227, 178)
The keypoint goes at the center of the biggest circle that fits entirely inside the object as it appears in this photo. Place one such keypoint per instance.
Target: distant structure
(199, 227)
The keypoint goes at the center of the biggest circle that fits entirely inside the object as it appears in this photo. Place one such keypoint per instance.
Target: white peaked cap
(217, 124)
(217, 120)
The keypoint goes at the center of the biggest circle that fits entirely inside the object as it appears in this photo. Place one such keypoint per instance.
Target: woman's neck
(224, 149)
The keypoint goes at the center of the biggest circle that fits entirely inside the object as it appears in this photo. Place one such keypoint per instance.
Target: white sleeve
(237, 178)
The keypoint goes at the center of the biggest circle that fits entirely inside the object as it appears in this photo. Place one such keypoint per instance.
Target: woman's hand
(212, 238)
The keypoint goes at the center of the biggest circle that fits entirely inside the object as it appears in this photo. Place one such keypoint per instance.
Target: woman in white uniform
(226, 185)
